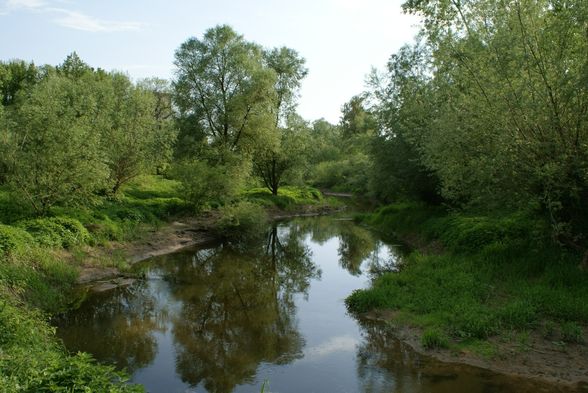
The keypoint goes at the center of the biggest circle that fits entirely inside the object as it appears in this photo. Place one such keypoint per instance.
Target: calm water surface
(229, 316)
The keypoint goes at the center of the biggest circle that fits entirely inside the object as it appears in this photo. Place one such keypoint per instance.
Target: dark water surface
(227, 317)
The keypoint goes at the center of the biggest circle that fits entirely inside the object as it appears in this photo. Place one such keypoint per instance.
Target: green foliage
(434, 339)
(13, 239)
(202, 183)
(33, 362)
(56, 231)
(242, 218)
(231, 102)
(571, 332)
(496, 274)
(288, 197)
(494, 117)
(62, 162)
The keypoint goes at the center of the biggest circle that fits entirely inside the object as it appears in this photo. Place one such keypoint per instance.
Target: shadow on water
(226, 317)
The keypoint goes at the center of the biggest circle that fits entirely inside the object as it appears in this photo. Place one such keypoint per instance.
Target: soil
(565, 365)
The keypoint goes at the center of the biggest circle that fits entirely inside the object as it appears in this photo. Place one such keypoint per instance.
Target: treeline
(69, 133)
(488, 111)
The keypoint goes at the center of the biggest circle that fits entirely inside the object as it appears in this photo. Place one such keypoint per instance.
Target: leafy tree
(130, 141)
(273, 161)
(54, 151)
(16, 76)
(74, 67)
(165, 121)
(355, 119)
(222, 83)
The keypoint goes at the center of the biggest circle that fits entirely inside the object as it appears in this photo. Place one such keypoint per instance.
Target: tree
(130, 143)
(272, 161)
(496, 106)
(54, 150)
(165, 121)
(355, 119)
(222, 83)
(16, 76)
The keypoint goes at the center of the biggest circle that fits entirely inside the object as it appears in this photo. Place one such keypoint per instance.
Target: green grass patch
(288, 197)
(496, 274)
(434, 339)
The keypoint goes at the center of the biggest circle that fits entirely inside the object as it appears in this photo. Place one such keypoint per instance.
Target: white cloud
(334, 344)
(70, 18)
(79, 21)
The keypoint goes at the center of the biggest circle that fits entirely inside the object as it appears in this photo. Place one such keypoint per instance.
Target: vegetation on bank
(486, 112)
(483, 276)
(36, 281)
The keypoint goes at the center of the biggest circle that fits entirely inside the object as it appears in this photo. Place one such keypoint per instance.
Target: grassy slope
(35, 281)
(493, 276)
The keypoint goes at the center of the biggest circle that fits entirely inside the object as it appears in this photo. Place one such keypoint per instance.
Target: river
(229, 316)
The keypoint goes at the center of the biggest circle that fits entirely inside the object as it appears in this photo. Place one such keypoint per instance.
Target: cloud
(71, 19)
(79, 21)
(334, 344)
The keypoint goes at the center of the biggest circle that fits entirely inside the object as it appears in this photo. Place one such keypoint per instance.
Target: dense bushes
(242, 219)
(56, 231)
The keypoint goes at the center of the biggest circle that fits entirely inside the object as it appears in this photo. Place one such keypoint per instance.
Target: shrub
(571, 332)
(56, 231)
(202, 183)
(13, 239)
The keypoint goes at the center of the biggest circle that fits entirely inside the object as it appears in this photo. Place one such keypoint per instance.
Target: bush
(571, 332)
(202, 183)
(56, 231)
(32, 361)
(13, 239)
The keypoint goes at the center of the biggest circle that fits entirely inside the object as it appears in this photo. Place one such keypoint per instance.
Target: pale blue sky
(340, 39)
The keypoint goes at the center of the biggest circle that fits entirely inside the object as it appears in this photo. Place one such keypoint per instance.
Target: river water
(230, 316)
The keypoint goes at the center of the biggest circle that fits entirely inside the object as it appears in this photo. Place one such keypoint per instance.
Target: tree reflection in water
(117, 327)
(223, 310)
(356, 244)
(237, 308)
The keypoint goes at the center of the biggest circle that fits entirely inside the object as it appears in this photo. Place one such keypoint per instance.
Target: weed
(434, 339)
(571, 332)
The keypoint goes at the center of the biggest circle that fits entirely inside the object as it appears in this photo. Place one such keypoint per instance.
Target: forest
(471, 145)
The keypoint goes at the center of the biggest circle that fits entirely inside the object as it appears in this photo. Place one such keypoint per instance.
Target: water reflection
(357, 245)
(386, 364)
(226, 317)
(227, 308)
(238, 311)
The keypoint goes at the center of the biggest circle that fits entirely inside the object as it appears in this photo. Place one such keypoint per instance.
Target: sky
(341, 40)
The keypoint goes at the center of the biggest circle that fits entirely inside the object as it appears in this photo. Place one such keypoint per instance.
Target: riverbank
(43, 259)
(493, 292)
(168, 238)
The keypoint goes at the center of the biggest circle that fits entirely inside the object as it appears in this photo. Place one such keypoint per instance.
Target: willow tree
(273, 161)
(54, 147)
(504, 120)
(221, 82)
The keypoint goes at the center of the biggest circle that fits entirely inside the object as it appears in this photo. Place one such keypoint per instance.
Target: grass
(288, 197)
(494, 275)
